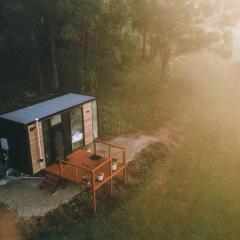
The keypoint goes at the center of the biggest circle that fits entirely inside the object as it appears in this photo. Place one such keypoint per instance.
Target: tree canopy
(69, 44)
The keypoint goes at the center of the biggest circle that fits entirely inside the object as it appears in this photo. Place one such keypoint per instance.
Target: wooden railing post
(76, 174)
(94, 193)
(61, 170)
(112, 153)
(94, 147)
(109, 151)
(125, 166)
(111, 180)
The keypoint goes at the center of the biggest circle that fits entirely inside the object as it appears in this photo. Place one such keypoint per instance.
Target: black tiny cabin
(41, 134)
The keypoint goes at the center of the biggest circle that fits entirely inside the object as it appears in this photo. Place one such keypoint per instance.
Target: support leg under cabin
(94, 201)
(94, 193)
(111, 186)
(125, 175)
(125, 164)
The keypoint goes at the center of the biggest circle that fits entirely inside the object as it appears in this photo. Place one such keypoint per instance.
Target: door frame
(57, 127)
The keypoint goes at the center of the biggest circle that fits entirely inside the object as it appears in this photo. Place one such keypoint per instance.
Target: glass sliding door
(48, 145)
(76, 120)
(53, 139)
(94, 120)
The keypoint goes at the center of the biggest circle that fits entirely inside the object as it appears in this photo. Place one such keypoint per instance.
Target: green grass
(130, 102)
(192, 195)
(188, 196)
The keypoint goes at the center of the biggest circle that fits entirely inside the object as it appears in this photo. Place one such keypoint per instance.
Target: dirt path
(8, 225)
(169, 135)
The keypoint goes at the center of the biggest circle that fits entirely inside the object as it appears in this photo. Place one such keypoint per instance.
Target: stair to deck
(51, 182)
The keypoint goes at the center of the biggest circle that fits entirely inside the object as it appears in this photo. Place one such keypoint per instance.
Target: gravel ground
(25, 197)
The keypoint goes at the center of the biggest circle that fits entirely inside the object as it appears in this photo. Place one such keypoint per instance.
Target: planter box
(100, 177)
(114, 166)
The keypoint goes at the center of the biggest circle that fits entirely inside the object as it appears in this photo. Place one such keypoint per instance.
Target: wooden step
(52, 176)
(48, 187)
(51, 182)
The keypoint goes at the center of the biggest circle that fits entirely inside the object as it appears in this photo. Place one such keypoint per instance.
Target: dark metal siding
(17, 136)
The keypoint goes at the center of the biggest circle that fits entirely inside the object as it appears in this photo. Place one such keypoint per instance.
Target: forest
(66, 45)
(165, 74)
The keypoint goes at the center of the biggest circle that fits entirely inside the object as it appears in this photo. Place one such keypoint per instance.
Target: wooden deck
(79, 166)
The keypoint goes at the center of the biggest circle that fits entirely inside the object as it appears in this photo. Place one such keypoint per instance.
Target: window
(94, 120)
(76, 128)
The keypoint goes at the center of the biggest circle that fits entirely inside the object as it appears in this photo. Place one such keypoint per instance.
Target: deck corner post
(125, 166)
(94, 193)
(95, 147)
(111, 180)
(60, 165)
(125, 175)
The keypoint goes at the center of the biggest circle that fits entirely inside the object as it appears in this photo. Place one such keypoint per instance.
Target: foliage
(63, 43)
(167, 26)
(73, 44)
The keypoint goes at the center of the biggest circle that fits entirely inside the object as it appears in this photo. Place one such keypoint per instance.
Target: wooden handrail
(108, 160)
(109, 144)
(89, 169)
(94, 185)
(75, 165)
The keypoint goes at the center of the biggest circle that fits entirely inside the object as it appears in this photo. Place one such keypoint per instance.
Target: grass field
(194, 193)
(131, 101)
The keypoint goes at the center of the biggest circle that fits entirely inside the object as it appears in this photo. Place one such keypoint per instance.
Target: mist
(166, 76)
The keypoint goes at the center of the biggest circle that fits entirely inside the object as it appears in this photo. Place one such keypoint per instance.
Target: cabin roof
(47, 108)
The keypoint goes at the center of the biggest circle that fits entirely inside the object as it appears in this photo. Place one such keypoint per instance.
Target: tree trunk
(164, 54)
(53, 62)
(151, 51)
(155, 52)
(144, 44)
(70, 80)
(97, 77)
(86, 44)
(40, 75)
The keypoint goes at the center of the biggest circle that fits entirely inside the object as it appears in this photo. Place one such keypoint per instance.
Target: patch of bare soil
(170, 135)
(9, 225)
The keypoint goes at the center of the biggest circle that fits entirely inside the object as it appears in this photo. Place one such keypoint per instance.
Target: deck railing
(75, 171)
(75, 166)
(93, 171)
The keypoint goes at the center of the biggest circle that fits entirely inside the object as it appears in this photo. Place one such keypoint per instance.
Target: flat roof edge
(47, 108)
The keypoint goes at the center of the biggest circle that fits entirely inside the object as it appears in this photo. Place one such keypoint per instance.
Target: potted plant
(85, 180)
(114, 164)
(100, 176)
(87, 148)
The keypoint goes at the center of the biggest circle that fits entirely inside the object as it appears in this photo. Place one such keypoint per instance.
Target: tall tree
(142, 19)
